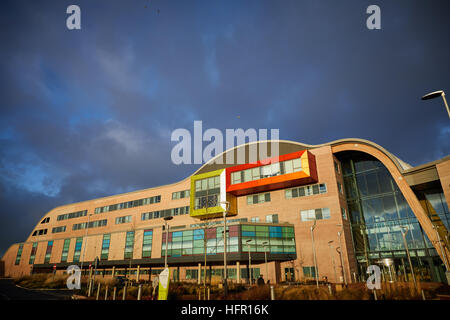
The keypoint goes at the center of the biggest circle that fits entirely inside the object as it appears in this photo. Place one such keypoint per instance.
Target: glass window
(255, 173)
(236, 177)
(288, 194)
(288, 166)
(326, 213)
(266, 171)
(275, 168)
(297, 164)
(344, 213)
(247, 175)
(315, 189)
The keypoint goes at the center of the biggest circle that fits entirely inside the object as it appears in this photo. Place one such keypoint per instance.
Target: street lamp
(166, 226)
(436, 94)
(404, 230)
(225, 273)
(316, 272)
(85, 245)
(388, 263)
(265, 243)
(340, 253)
(249, 262)
(332, 259)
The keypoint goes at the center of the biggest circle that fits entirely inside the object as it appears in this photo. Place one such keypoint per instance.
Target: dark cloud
(89, 113)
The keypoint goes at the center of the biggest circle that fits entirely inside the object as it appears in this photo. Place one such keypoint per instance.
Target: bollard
(272, 293)
(89, 288)
(375, 294)
(124, 292)
(330, 290)
(106, 292)
(209, 290)
(199, 294)
(139, 292)
(114, 293)
(98, 291)
(423, 295)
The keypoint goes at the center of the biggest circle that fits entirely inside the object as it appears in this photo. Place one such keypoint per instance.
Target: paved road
(9, 291)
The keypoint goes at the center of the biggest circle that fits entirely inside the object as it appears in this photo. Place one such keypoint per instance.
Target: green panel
(248, 228)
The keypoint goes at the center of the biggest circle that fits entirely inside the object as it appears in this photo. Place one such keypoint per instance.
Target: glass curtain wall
(378, 210)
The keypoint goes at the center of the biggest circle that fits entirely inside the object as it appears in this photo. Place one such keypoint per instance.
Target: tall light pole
(166, 226)
(265, 243)
(332, 259)
(225, 273)
(436, 94)
(404, 230)
(316, 272)
(249, 262)
(340, 253)
(85, 245)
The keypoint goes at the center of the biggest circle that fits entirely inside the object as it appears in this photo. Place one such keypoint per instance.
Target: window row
(129, 204)
(277, 239)
(39, 232)
(207, 184)
(258, 198)
(48, 252)
(270, 170)
(59, 229)
(126, 219)
(208, 201)
(193, 242)
(315, 214)
(273, 239)
(105, 247)
(92, 224)
(209, 224)
(165, 213)
(306, 191)
(181, 194)
(46, 220)
(65, 251)
(19, 254)
(72, 215)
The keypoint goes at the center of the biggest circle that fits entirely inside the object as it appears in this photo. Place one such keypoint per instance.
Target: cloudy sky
(89, 113)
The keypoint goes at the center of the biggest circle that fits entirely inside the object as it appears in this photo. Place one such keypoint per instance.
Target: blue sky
(89, 113)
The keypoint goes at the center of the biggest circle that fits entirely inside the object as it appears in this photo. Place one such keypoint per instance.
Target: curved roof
(287, 146)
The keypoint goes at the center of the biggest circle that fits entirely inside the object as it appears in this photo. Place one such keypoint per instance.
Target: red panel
(272, 183)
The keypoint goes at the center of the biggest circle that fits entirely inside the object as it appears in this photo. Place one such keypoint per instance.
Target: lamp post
(249, 262)
(332, 259)
(85, 245)
(340, 253)
(316, 272)
(404, 230)
(225, 273)
(265, 243)
(166, 225)
(388, 263)
(436, 94)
